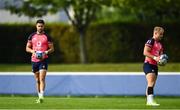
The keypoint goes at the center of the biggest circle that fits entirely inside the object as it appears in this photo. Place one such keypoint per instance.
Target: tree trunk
(83, 52)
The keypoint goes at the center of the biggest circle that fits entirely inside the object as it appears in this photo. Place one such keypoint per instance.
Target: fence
(90, 83)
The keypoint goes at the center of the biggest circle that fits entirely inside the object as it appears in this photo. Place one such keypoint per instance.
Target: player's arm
(51, 48)
(29, 48)
(161, 52)
(147, 53)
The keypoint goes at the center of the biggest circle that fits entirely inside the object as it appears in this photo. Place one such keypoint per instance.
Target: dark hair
(40, 21)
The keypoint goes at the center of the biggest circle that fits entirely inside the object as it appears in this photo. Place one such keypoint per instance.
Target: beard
(40, 30)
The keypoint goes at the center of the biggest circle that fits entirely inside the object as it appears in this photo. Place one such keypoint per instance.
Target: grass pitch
(18, 102)
(121, 67)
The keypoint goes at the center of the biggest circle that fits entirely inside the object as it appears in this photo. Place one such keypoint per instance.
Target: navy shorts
(149, 68)
(36, 66)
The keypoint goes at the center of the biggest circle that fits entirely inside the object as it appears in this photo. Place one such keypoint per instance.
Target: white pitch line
(88, 73)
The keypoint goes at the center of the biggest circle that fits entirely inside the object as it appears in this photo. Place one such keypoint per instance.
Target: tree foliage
(79, 12)
(151, 11)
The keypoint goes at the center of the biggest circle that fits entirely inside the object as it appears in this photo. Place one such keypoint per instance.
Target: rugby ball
(163, 60)
(39, 54)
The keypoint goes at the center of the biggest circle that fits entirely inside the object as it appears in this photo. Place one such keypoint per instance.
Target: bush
(106, 43)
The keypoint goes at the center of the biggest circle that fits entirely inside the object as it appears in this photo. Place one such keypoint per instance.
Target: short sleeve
(150, 42)
(49, 38)
(30, 37)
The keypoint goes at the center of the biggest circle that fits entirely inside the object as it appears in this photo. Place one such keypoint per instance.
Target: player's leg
(36, 75)
(151, 80)
(35, 70)
(38, 86)
(151, 72)
(42, 82)
(43, 69)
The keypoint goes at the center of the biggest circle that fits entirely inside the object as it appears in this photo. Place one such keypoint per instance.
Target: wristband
(46, 52)
(33, 51)
(155, 58)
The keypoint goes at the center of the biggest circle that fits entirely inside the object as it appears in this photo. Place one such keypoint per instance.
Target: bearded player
(40, 45)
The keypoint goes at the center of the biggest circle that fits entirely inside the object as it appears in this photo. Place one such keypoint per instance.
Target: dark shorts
(36, 66)
(149, 68)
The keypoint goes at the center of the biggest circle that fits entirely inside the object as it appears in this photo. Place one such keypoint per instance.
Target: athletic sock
(150, 98)
(150, 92)
(41, 95)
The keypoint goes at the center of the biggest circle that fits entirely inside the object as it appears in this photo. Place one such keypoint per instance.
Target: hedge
(106, 43)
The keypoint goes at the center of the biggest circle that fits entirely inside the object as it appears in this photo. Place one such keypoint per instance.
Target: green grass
(123, 67)
(18, 102)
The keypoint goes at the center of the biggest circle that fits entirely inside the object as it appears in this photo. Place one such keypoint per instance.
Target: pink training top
(39, 42)
(156, 49)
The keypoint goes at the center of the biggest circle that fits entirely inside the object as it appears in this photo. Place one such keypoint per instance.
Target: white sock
(41, 94)
(150, 98)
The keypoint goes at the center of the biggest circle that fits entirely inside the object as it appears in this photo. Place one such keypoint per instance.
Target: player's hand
(33, 52)
(46, 52)
(156, 58)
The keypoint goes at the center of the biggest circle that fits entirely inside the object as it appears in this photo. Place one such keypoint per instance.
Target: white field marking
(88, 73)
(92, 109)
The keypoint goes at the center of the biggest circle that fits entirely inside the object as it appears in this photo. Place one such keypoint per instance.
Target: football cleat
(152, 104)
(40, 100)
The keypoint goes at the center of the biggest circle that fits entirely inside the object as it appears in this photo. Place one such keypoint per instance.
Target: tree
(151, 11)
(80, 12)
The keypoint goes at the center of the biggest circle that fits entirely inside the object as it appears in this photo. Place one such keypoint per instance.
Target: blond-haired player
(152, 50)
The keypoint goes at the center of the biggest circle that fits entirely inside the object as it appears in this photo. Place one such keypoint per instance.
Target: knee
(151, 84)
(37, 81)
(42, 80)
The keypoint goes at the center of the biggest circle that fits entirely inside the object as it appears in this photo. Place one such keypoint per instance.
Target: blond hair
(158, 29)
